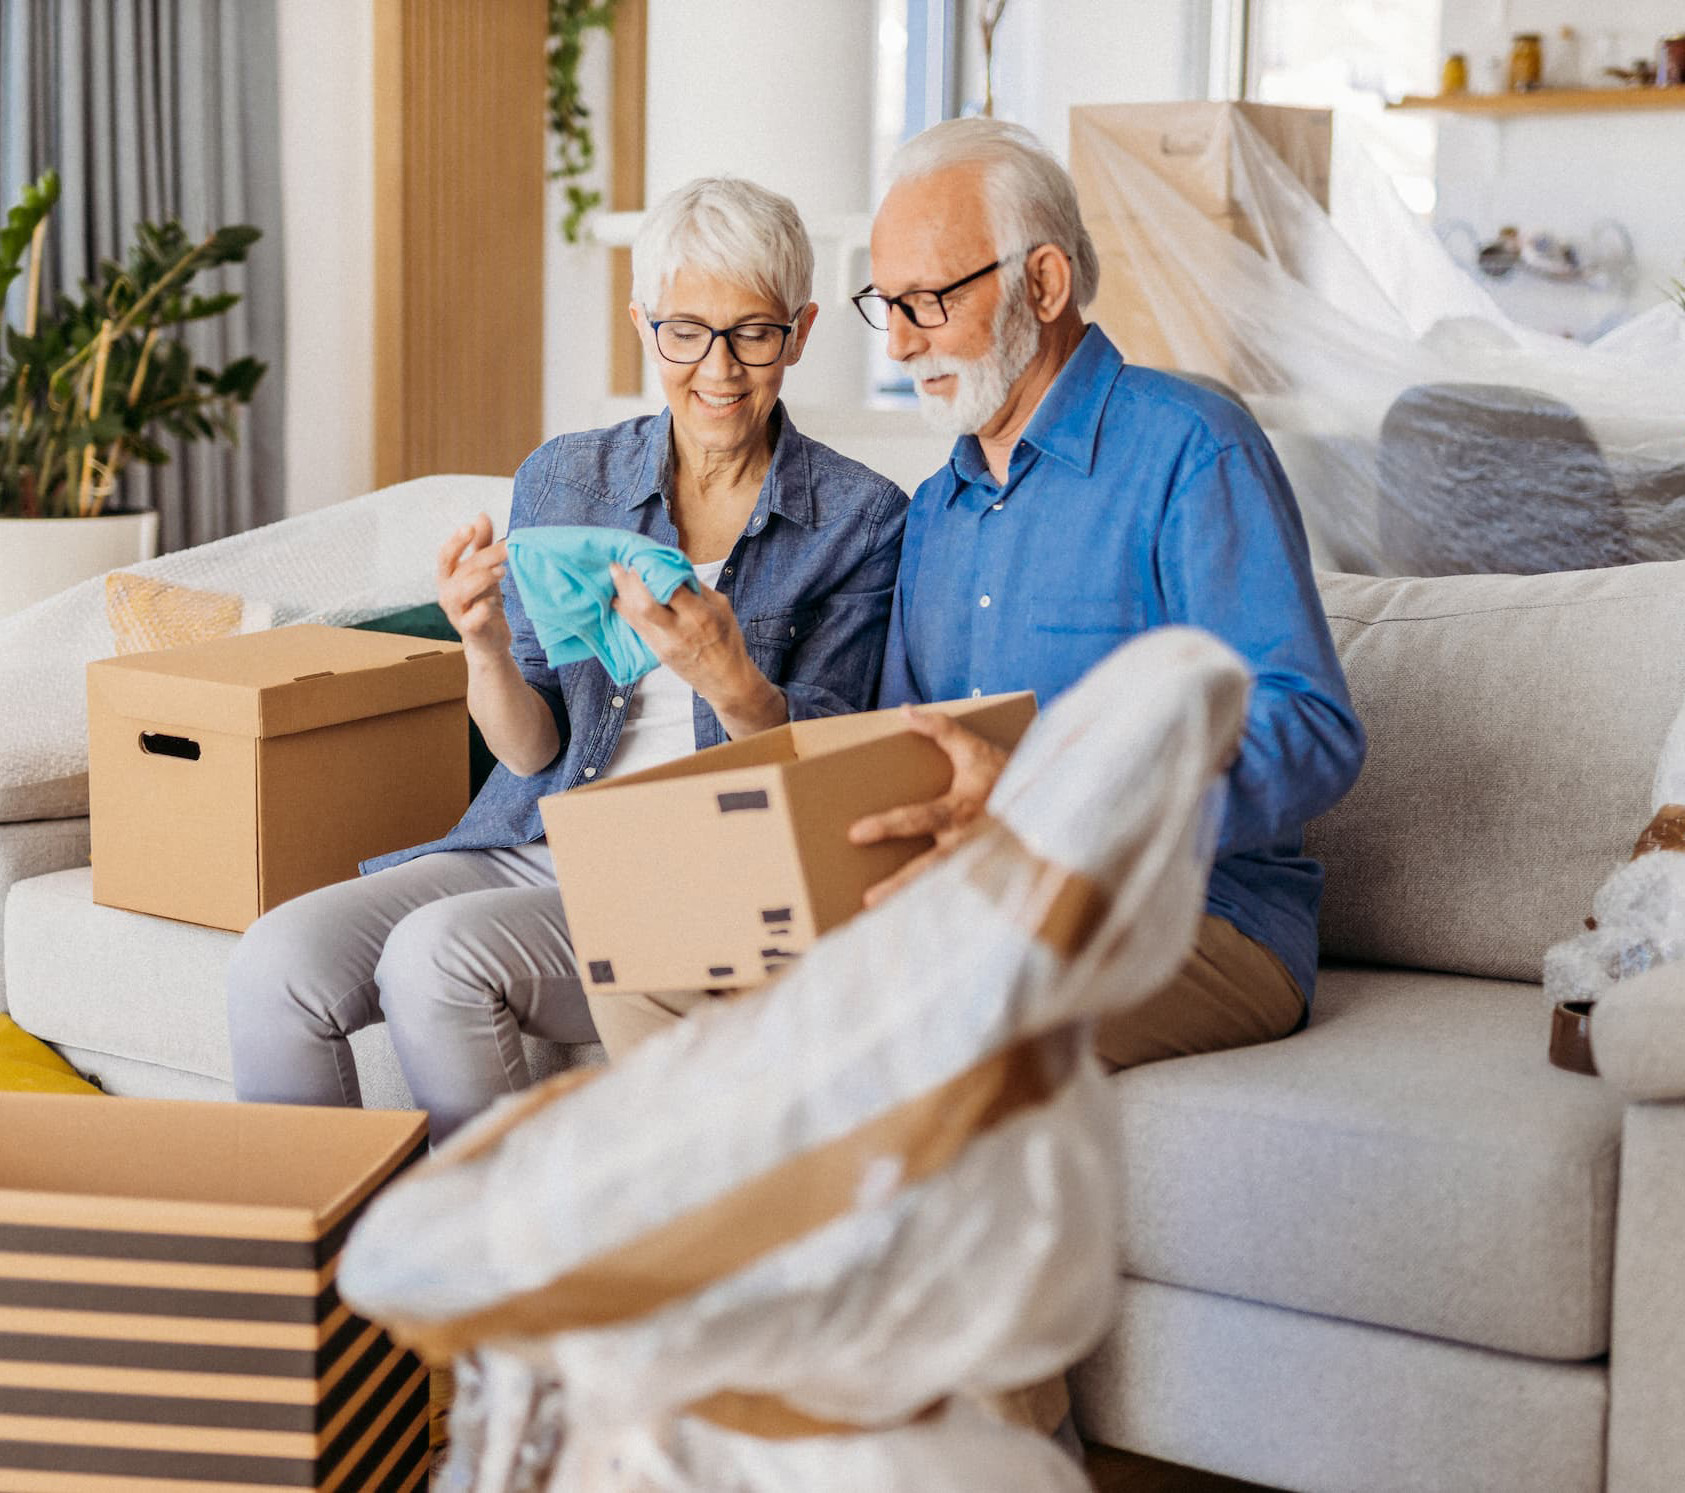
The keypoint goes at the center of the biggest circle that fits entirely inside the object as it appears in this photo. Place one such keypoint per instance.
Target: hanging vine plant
(571, 21)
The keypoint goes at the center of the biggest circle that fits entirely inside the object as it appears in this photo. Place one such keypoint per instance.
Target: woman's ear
(1048, 273)
(641, 323)
(804, 324)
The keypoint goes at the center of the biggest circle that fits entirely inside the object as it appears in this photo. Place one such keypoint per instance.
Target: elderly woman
(462, 945)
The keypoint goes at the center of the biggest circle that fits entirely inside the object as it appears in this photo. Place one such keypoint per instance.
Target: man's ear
(1048, 274)
(804, 324)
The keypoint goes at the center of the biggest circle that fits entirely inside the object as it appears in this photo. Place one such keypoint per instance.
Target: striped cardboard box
(168, 1313)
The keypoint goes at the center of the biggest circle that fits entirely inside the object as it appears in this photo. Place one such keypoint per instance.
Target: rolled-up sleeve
(528, 652)
(1233, 560)
(834, 669)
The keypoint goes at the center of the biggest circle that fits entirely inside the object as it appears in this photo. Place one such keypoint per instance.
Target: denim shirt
(1134, 500)
(811, 578)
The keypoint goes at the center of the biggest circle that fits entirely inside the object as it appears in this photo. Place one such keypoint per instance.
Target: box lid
(274, 683)
(269, 1171)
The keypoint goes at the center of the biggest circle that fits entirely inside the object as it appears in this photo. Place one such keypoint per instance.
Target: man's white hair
(1032, 199)
(725, 226)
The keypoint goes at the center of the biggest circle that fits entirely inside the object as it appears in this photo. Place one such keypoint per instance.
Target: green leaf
(240, 379)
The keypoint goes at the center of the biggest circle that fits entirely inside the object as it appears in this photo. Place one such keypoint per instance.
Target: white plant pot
(39, 557)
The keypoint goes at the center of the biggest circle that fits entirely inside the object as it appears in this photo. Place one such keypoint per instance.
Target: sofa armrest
(1638, 1034)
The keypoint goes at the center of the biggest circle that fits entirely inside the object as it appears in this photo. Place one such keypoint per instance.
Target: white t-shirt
(660, 713)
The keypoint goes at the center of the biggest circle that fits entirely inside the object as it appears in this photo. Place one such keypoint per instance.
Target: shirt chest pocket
(1094, 617)
(773, 635)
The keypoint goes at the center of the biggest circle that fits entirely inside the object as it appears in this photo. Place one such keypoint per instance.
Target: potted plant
(91, 383)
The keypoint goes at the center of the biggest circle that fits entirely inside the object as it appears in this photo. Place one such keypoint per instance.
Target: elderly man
(1085, 501)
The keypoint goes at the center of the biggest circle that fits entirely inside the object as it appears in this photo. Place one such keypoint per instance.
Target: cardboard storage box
(715, 870)
(1189, 147)
(168, 1316)
(226, 777)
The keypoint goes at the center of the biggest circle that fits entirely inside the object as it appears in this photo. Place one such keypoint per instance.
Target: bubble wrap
(992, 1273)
(339, 565)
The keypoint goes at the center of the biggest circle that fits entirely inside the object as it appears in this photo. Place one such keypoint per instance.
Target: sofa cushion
(34, 848)
(1514, 725)
(150, 991)
(1409, 1160)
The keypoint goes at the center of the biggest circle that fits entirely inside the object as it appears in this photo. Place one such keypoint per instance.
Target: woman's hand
(697, 637)
(949, 819)
(470, 579)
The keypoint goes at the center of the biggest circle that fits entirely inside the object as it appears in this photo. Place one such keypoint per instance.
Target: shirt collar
(1066, 424)
(787, 489)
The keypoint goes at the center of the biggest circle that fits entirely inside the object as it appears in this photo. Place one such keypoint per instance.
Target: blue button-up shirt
(1134, 500)
(810, 578)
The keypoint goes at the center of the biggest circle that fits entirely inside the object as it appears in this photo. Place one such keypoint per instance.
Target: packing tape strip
(785, 1203)
(1570, 1037)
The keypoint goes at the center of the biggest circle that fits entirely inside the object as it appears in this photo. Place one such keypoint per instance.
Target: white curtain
(153, 109)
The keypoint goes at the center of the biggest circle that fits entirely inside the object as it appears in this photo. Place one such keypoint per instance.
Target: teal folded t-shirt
(561, 572)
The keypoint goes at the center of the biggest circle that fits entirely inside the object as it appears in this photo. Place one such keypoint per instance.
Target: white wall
(327, 225)
(1053, 54)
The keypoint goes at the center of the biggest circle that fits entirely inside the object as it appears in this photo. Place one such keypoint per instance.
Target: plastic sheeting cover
(988, 1274)
(1424, 432)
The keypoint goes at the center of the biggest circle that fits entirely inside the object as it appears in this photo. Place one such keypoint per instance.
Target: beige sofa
(1401, 1251)
(1398, 1251)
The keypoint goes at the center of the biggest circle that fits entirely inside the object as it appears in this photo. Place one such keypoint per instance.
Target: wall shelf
(1549, 101)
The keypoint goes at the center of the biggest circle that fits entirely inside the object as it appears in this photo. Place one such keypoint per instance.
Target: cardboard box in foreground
(716, 870)
(226, 777)
(168, 1315)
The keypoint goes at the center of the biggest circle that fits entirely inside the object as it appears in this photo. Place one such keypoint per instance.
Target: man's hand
(950, 818)
(470, 577)
(696, 636)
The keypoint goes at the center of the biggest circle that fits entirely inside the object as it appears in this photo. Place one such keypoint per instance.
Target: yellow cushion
(28, 1065)
(146, 615)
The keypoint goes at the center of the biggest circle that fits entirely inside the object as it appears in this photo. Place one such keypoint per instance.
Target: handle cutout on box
(430, 653)
(157, 744)
(319, 674)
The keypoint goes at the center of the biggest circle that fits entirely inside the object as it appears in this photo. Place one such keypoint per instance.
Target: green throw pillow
(429, 621)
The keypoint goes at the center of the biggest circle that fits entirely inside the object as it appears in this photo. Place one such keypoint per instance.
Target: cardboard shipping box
(226, 777)
(168, 1315)
(1190, 148)
(716, 870)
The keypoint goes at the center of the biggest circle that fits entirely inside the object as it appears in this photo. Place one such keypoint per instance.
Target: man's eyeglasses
(754, 344)
(924, 308)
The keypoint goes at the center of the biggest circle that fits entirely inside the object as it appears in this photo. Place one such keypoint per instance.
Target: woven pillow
(146, 615)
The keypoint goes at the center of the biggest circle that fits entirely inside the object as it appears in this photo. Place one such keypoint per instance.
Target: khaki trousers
(1231, 992)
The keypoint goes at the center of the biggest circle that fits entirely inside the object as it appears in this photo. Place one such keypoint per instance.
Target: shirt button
(977, 694)
(983, 601)
(618, 701)
(792, 632)
(590, 772)
(726, 571)
(998, 506)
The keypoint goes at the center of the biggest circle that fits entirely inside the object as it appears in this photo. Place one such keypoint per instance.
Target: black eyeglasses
(924, 308)
(754, 344)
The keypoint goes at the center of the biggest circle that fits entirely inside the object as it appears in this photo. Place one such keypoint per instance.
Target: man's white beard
(981, 384)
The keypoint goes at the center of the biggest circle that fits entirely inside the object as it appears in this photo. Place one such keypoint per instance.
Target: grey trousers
(458, 953)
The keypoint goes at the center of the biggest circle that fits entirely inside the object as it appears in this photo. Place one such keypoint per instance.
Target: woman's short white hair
(725, 226)
(1032, 199)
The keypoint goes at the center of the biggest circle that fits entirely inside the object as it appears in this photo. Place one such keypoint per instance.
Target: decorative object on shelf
(1642, 73)
(90, 383)
(1526, 62)
(988, 17)
(1564, 64)
(1670, 61)
(570, 118)
(1454, 76)
(1502, 255)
